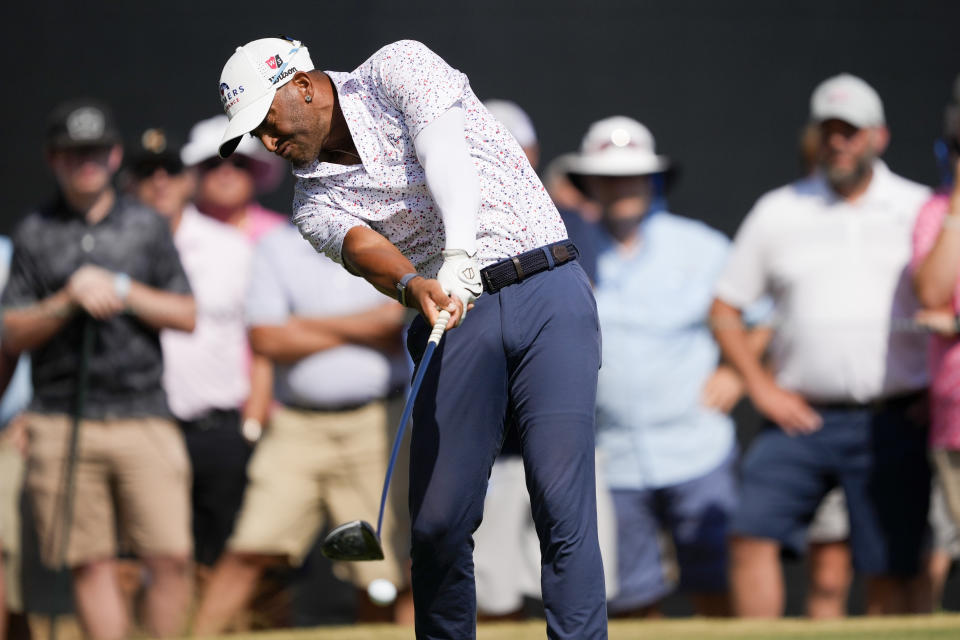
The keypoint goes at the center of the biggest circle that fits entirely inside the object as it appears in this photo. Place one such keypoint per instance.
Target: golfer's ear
(302, 82)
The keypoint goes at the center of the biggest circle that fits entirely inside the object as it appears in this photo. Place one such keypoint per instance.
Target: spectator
(207, 372)
(227, 187)
(335, 343)
(226, 191)
(15, 389)
(506, 547)
(844, 400)
(663, 427)
(936, 278)
(91, 261)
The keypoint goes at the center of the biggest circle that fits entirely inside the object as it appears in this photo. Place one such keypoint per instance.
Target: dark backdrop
(724, 86)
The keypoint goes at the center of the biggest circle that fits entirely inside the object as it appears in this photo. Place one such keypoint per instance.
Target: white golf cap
(617, 146)
(515, 119)
(848, 98)
(251, 78)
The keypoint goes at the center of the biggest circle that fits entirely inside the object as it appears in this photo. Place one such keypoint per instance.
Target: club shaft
(435, 334)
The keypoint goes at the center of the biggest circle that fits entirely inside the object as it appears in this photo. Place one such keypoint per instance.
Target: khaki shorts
(316, 468)
(947, 465)
(11, 481)
(133, 472)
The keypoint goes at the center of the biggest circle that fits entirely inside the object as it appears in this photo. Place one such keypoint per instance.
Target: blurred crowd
(193, 395)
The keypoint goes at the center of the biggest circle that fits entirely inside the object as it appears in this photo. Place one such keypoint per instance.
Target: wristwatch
(121, 285)
(402, 287)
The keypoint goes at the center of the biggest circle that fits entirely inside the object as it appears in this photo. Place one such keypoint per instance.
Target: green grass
(918, 627)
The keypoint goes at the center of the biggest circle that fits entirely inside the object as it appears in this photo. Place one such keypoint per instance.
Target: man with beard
(844, 394)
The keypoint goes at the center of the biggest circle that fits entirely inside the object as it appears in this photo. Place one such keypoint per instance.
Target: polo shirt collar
(359, 120)
(877, 190)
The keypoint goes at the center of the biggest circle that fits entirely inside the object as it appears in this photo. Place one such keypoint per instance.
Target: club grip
(439, 327)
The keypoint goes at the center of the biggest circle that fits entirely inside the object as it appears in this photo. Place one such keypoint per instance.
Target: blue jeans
(529, 353)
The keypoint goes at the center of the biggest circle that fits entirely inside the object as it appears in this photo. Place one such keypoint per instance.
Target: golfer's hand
(429, 298)
(92, 288)
(460, 278)
(723, 389)
(787, 409)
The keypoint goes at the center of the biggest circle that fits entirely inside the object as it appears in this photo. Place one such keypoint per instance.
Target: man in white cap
(408, 181)
(844, 395)
(662, 398)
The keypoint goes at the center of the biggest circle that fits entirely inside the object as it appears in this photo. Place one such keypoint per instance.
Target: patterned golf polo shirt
(387, 101)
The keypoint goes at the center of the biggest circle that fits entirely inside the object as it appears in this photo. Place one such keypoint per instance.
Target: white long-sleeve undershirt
(451, 176)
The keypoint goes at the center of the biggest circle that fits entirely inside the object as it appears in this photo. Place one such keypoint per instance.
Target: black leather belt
(875, 405)
(518, 268)
(212, 419)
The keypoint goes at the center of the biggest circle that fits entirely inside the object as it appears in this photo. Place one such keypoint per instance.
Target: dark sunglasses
(147, 167)
(238, 161)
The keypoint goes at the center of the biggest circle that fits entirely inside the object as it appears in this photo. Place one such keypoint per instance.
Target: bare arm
(31, 327)
(161, 309)
(936, 277)
(371, 256)
(789, 410)
(734, 340)
(261, 389)
(300, 336)
(724, 388)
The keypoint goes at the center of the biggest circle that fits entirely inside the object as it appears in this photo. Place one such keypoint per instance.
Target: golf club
(356, 540)
(88, 335)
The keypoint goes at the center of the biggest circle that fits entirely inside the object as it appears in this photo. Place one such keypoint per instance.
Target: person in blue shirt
(663, 398)
(15, 392)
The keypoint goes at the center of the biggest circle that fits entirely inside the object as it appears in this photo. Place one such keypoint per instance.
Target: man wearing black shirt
(93, 257)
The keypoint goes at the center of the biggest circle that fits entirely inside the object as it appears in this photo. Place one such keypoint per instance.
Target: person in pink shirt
(206, 373)
(936, 278)
(227, 187)
(226, 191)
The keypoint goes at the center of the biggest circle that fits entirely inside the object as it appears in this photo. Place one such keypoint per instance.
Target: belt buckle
(560, 253)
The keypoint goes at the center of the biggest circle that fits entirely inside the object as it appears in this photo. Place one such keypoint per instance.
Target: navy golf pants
(528, 354)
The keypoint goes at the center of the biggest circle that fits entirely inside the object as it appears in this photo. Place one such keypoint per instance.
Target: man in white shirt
(408, 181)
(844, 398)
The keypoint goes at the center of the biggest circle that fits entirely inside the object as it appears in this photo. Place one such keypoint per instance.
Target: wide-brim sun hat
(617, 146)
(249, 82)
(204, 143)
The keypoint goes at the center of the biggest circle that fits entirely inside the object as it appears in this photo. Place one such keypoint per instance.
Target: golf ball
(382, 592)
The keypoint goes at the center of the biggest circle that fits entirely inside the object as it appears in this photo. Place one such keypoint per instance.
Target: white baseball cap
(251, 78)
(847, 97)
(617, 146)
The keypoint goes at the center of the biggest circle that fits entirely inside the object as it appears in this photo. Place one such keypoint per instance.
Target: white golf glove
(460, 276)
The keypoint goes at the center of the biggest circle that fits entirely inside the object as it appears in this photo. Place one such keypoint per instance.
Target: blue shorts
(695, 514)
(878, 455)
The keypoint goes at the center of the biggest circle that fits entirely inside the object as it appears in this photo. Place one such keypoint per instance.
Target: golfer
(408, 181)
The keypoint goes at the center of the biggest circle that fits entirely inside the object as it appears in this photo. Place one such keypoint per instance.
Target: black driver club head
(353, 541)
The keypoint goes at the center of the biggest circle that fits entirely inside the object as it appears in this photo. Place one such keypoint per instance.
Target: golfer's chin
(299, 162)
